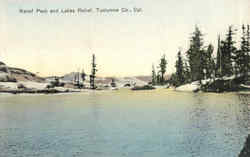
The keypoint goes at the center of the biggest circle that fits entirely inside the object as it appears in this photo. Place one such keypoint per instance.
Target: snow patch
(189, 87)
(33, 85)
(8, 85)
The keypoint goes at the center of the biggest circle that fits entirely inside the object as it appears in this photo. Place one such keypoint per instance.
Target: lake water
(124, 123)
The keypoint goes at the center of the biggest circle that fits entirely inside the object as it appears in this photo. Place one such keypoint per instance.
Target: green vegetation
(163, 67)
(201, 65)
(153, 75)
(159, 79)
(180, 73)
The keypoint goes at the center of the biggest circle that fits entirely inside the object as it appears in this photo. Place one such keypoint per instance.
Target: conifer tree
(187, 74)
(239, 55)
(218, 59)
(227, 53)
(242, 57)
(209, 63)
(162, 66)
(173, 80)
(158, 78)
(153, 75)
(248, 50)
(83, 76)
(195, 55)
(93, 73)
(179, 69)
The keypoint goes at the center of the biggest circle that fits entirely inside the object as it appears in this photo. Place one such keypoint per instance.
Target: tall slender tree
(93, 73)
(83, 76)
(248, 53)
(195, 55)
(218, 59)
(239, 55)
(187, 74)
(163, 68)
(227, 53)
(158, 78)
(242, 58)
(153, 75)
(179, 69)
(209, 63)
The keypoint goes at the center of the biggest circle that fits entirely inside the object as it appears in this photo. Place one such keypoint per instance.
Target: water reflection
(198, 128)
(244, 98)
(243, 115)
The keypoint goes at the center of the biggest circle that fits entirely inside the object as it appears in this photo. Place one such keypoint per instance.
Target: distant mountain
(71, 77)
(120, 81)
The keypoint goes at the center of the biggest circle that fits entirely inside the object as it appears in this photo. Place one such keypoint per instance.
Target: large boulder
(1, 63)
(3, 67)
(5, 77)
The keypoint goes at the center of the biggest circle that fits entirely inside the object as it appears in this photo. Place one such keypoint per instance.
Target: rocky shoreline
(42, 91)
(218, 85)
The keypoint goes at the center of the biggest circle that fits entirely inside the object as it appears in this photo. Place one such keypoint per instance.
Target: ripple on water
(124, 123)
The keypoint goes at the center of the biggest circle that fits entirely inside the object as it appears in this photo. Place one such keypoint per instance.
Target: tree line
(199, 63)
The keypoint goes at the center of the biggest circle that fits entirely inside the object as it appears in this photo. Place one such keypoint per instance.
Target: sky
(125, 44)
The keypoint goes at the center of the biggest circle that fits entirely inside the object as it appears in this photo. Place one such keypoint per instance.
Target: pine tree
(93, 73)
(240, 55)
(218, 59)
(243, 53)
(213, 74)
(162, 66)
(153, 75)
(173, 80)
(195, 55)
(248, 50)
(209, 63)
(158, 78)
(179, 69)
(187, 74)
(83, 76)
(227, 51)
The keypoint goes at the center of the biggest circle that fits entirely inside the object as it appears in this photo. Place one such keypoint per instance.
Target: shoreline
(43, 91)
(73, 91)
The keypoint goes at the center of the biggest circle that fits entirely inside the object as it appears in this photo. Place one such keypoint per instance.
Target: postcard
(124, 78)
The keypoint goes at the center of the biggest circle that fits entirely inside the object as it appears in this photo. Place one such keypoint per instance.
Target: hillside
(12, 74)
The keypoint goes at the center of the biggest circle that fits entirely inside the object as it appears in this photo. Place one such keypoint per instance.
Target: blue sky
(125, 44)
